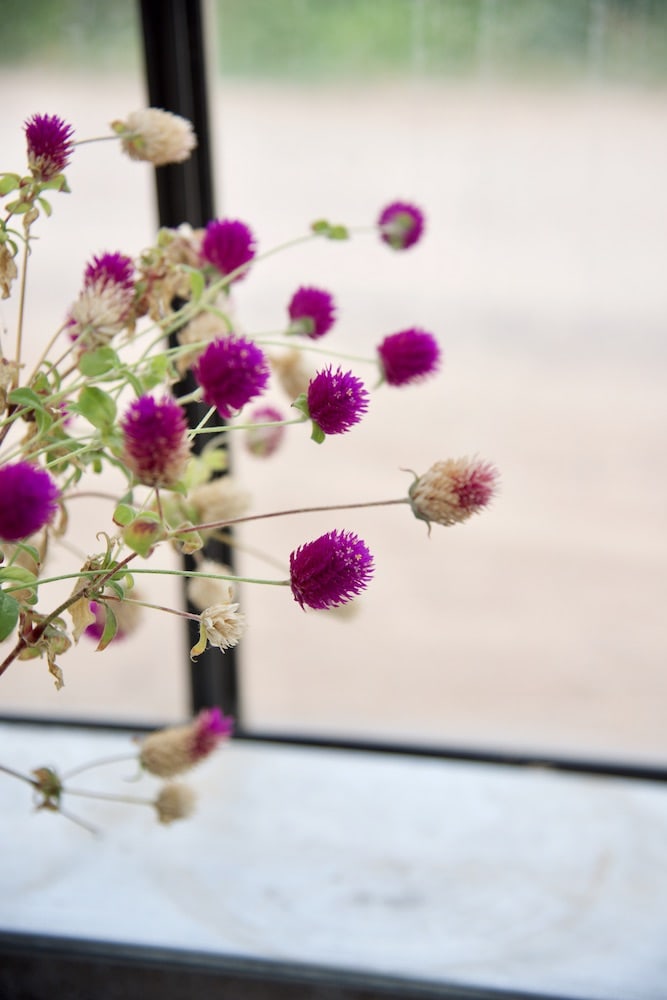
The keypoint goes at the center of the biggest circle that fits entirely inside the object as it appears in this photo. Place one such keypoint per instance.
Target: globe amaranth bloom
(50, 145)
(401, 225)
(336, 400)
(312, 312)
(172, 751)
(156, 136)
(331, 570)
(28, 500)
(408, 356)
(231, 371)
(105, 304)
(155, 447)
(262, 440)
(451, 491)
(223, 623)
(228, 245)
(175, 801)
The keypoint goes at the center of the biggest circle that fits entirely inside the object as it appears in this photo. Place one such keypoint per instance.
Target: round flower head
(330, 570)
(156, 448)
(223, 624)
(172, 751)
(28, 500)
(292, 373)
(261, 440)
(175, 801)
(231, 371)
(451, 491)
(156, 136)
(408, 356)
(336, 400)
(221, 499)
(104, 306)
(312, 312)
(401, 225)
(50, 145)
(109, 269)
(228, 245)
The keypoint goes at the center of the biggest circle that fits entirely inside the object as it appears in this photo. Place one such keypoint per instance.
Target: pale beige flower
(291, 372)
(8, 271)
(451, 491)
(101, 311)
(223, 624)
(165, 274)
(156, 136)
(201, 330)
(204, 591)
(169, 752)
(219, 500)
(175, 801)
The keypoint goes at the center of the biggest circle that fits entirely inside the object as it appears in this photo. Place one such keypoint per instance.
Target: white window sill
(477, 875)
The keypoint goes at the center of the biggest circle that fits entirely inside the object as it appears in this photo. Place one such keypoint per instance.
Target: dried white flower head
(223, 624)
(175, 801)
(451, 491)
(204, 591)
(156, 136)
(291, 372)
(219, 500)
(201, 330)
(8, 271)
(174, 750)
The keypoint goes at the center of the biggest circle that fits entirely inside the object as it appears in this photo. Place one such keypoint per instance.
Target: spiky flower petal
(231, 371)
(331, 570)
(408, 356)
(156, 448)
(451, 491)
(312, 312)
(228, 245)
(28, 500)
(174, 750)
(401, 225)
(336, 400)
(50, 145)
(156, 136)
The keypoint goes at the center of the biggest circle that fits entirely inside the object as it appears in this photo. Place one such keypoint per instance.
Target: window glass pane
(533, 134)
(82, 60)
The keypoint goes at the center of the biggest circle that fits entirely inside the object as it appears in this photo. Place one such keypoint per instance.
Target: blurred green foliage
(323, 40)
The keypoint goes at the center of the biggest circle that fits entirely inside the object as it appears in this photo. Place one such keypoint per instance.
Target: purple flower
(336, 400)
(209, 729)
(260, 440)
(50, 145)
(331, 570)
(401, 225)
(109, 268)
(156, 448)
(408, 356)
(312, 312)
(228, 244)
(28, 500)
(231, 371)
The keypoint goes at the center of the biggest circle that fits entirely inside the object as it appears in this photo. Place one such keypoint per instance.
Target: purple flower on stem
(109, 269)
(231, 371)
(330, 570)
(260, 440)
(228, 244)
(401, 225)
(312, 312)
(408, 356)
(50, 145)
(336, 400)
(28, 500)
(156, 448)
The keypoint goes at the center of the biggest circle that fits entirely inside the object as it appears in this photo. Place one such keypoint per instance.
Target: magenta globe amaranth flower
(312, 312)
(228, 245)
(50, 145)
(155, 448)
(331, 570)
(408, 356)
(28, 500)
(336, 400)
(231, 371)
(109, 269)
(401, 225)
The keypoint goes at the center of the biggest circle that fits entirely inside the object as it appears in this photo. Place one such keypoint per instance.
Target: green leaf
(301, 404)
(321, 227)
(23, 396)
(18, 207)
(46, 206)
(9, 182)
(9, 615)
(57, 183)
(338, 233)
(123, 514)
(98, 362)
(18, 574)
(317, 434)
(96, 406)
(110, 629)
(143, 533)
(197, 283)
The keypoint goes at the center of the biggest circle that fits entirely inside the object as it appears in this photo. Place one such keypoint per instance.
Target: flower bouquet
(109, 393)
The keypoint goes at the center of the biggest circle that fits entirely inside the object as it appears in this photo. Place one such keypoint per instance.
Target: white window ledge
(478, 875)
